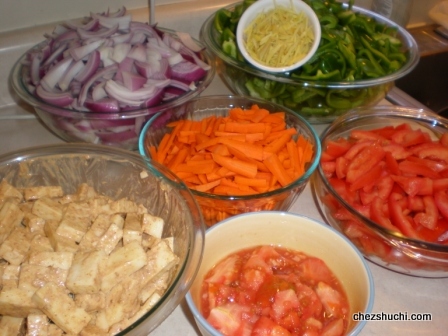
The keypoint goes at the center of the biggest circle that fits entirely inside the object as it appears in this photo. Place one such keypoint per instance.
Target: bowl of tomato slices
(383, 182)
(274, 272)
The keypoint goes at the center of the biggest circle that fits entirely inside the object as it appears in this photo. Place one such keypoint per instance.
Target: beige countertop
(394, 292)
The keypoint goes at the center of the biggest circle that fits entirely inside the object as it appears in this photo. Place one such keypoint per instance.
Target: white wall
(16, 14)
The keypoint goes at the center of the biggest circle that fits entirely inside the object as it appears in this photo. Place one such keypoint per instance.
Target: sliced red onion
(187, 72)
(137, 37)
(99, 124)
(147, 69)
(197, 60)
(138, 52)
(102, 33)
(55, 54)
(98, 91)
(132, 98)
(121, 51)
(69, 125)
(156, 99)
(111, 69)
(68, 35)
(186, 39)
(60, 29)
(144, 28)
(132, 81)
(81, 52)
(59, 99)
(175, 59)
(106, 55)
(91, 66)
(120, 12)
(55, 74)
(117, 137)
(122, 21)
(36, 59)
(153, 55)
(74, 69)
(121, 38)
(102, 105)
(179, 85)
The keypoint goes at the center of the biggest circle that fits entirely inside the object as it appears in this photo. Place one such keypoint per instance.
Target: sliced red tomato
(266, 327)
(415, 203)
(398, 152)
(444, 139)
(367, 158)
(430, 216)
(438, 152)
(415, 185)
(380, 214)
(385, 132)
(341, 167)
(337, 148)
(417, 169)
(366, 135)
(391, 164)
(441, 200)
(436, 166)
(398, 217)
(313, 270)
(356, 148)
(325, 157)
(369, 178)
(408, 138)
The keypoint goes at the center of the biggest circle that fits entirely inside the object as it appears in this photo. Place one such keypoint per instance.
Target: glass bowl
(383, 246)
(318, 100)
(118, 129)
(294, 232)
(117, 173)
(218, 207)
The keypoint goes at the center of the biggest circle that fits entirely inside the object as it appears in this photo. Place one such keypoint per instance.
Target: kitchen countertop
(394, 292)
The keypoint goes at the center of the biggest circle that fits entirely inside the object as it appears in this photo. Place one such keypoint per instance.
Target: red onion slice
(58, 99)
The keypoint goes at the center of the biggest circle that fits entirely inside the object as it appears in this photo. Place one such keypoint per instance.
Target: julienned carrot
(248, 152)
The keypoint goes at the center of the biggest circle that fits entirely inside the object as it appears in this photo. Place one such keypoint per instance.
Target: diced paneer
(59, 243)
(85, 192)
(98, 229)
(125, 206)
(110, 239)
(170, 242)
(33, 277)
(17, 303)
(34, 193)
(121, 302)
(8, 191)
(34, 224)
(48, 209)
(15, 247)
(61, 260)
(10, 217)
(37, 325)
(12, 326)
(121, 263)
(75, 221)
(10, 276)
(40, 243)
(132, 228)
(91, 302)
(159, 283)
(149, 241)
(153, 225)
(60, 308)
(84, 274)
(54, 330)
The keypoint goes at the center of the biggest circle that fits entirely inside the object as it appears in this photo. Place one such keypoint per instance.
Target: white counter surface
(394, 292)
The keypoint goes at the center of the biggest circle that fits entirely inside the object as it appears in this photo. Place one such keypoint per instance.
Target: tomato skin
(428, 218)
(337, 148)
(441, 201)
(367, 158)
(417, 169)
(399, 219)
(368, 178)
(379, 216)
(415, 185)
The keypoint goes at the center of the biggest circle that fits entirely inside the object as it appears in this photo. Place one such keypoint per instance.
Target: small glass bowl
(118, 129)
(116, 173)
(218, 207)
(319, 101)
(386, 248)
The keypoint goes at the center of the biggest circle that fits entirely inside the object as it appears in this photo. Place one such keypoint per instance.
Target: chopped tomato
(266, 327)
(399, 218)
(415, 185)
(337, 148)
(441, 200)
(429, 217)
(368, 178)
(367, 158)
(417, 169)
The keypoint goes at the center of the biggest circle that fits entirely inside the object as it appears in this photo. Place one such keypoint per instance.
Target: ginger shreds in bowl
(279, 37)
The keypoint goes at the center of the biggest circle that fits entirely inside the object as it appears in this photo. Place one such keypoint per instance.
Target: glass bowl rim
(313, 166)
(16, 82)
(422, 116)
(208, 40)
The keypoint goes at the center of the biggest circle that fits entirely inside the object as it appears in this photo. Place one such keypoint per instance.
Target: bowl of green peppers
(360, 55)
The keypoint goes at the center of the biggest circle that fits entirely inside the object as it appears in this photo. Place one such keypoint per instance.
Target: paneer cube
(85, 193)
(93, 330)
(98, 229)
(110, 239)
(8, 191)
(91, 302)
(10, 276)
(60, 308)
(48, 209)
(15, 247)
(40, 243)
(17, 303)
(10, 217)
(37, 325)
(12, 326)
(75, 221)
(33, 277)
(62, 260)
(121, 263)
(153, 225)
(59, 243)
(132, 228)
(34, 193)
(84, 274)
(34, 224)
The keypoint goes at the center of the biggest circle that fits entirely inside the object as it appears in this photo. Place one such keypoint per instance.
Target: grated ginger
(279, 37)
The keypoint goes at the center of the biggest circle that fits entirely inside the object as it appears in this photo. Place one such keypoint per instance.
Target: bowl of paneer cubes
(94, 240)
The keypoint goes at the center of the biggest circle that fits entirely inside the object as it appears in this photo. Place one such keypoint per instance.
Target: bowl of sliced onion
(278, 35)
(101, 78)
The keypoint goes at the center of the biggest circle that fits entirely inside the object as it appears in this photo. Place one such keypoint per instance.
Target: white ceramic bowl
(263, 6)
(290, 231)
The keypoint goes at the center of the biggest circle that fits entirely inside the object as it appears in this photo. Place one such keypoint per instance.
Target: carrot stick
(207, 186)
(251, 182)
(280, 143)
(244, 128)
(250, 150)
(239, 167)
(275, 166)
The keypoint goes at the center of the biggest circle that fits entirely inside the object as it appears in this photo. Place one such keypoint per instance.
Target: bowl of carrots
(383, 182)
(236, 154)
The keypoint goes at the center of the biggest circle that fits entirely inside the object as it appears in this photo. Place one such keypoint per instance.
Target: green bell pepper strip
(222, 19)
(376, 67)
